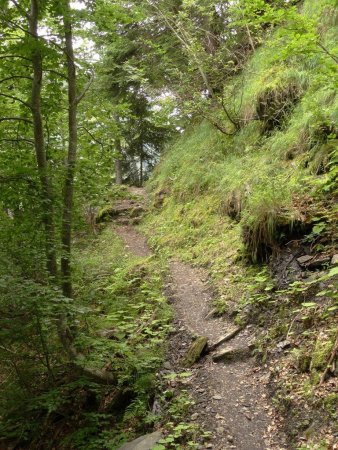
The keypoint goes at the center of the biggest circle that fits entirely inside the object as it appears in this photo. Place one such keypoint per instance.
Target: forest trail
(231, 398)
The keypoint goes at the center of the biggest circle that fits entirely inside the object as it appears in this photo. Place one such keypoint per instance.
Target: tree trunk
(39, 144)
(118, 171)
(141, 171)
(118, 164)
(64, 331)
(66, 232)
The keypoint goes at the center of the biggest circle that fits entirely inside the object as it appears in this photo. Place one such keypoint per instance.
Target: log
(195, 351)
(225, 338)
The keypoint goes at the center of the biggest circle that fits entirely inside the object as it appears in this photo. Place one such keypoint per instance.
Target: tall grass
(288, 109)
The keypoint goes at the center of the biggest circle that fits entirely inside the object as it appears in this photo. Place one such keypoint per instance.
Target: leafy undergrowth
(176, 403)
(247, 206)
(123, 321)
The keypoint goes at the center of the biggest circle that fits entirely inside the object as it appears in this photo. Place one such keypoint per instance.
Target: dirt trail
(231, 398)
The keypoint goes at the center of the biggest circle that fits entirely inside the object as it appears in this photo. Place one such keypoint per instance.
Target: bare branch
(15, 56)
(233, 121)
(86, 88)
(17, 140)
(13, 77)
(92, 136)
(12, 97)
(334, 57)
(22, 119)
(22, 10)
(217, 125)
(56, 72)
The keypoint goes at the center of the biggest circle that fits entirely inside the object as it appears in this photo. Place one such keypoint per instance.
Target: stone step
(233, 354)
(146, 442)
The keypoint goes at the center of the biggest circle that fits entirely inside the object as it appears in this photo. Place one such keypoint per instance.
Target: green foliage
(180, 434)
(297, 107)
(233, 199)
(122, 320)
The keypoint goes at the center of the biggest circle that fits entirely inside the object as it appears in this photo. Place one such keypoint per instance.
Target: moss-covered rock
(331, 404)
(321, 352)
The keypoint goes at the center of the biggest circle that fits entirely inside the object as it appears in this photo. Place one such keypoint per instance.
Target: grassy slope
(235, 199)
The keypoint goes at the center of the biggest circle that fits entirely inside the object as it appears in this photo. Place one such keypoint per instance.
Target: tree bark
(141, 171)
(39, 144)
(66, 232)
(64, 331)
(118, 164)
(118, 171)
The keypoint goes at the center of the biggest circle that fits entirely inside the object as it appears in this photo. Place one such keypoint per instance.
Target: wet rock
(146, 442)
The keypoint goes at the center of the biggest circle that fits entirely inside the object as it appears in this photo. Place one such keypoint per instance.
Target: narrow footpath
(231, 395)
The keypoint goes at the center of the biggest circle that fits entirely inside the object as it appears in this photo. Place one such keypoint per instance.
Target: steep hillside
(258, 208)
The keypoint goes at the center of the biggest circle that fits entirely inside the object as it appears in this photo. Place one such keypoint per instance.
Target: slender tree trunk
(39, 143)
(65, 334)
(118, 164)
(118, 171)
(141, 171)
(66, 233)
(252, 45)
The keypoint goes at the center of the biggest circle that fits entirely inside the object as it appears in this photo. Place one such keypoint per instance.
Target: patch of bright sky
(77, 5)
(85, 46)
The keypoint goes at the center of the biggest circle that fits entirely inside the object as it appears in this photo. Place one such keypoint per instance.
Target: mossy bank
(248, 205)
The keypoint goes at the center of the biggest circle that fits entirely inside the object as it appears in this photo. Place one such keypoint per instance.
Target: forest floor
(231, 399)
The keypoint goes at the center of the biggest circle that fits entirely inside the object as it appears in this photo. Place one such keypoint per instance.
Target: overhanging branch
(92, 136)
(16, 99)
(86, 88)
(22, 119)
(14, 77)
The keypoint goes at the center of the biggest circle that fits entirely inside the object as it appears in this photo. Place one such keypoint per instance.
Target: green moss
(331, 404)
(103, 214)
(321, 352)
(195, 351)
